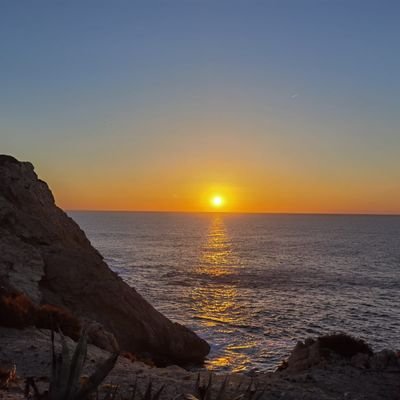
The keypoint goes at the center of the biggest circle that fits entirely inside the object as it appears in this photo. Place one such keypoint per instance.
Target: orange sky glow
(276, 109)
(168, 192)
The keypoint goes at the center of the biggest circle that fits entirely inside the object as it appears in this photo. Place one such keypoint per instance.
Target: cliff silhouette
(48, 263)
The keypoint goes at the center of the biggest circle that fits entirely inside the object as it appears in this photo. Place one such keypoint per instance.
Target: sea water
(252, 285)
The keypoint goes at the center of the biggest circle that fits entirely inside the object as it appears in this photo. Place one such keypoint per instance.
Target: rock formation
(339, 349)
(46, 256)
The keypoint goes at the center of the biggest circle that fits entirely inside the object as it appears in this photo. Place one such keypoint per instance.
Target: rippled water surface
(252, 285)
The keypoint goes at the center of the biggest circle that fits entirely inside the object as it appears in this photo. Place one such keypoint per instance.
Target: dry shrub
(16, 310)
(130, 356)
(48, 316)
(7, 376)
(344, 345)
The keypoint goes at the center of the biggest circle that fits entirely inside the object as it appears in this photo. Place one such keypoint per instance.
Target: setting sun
(217, 201)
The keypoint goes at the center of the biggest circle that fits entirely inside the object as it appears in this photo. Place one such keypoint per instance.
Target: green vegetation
(65, 382)
(68, 383)
(206, 391)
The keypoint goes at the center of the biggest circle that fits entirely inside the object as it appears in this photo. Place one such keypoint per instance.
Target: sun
(217, 201)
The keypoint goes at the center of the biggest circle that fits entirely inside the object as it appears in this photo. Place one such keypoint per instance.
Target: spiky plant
(148, 394)
(252, 392)
(204, 391)
(66, 371)
(65, 382)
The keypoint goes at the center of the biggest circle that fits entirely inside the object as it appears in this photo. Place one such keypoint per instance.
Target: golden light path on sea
(216, 303)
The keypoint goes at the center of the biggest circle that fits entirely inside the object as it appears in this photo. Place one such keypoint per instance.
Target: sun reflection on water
(216, 300)
(216, 255)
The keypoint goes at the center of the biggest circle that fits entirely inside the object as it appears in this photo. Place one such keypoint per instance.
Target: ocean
(252, 285)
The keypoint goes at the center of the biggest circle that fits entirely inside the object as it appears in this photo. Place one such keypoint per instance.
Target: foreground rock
(340, 349)
(46, 256)
(29, 350)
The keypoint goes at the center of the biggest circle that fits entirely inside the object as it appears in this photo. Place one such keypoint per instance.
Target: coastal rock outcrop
(47, 257)
(339, 349)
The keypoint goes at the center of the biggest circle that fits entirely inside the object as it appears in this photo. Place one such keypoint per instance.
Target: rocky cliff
(45, 255)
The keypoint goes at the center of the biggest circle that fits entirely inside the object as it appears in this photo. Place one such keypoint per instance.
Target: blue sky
(306, 89)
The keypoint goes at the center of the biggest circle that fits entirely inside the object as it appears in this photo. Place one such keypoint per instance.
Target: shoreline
(308, 377)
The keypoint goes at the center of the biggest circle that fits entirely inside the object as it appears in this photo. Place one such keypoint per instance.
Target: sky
(274, 105)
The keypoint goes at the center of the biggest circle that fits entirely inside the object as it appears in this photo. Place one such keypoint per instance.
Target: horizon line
(372, 214)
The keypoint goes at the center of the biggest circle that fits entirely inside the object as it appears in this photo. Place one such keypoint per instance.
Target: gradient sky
(279, 106)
